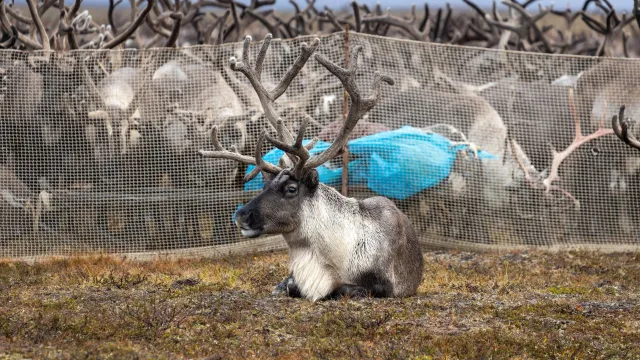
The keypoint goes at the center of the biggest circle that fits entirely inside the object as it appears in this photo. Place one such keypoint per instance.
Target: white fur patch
(248, 233)
(311, 274)
(335, 244)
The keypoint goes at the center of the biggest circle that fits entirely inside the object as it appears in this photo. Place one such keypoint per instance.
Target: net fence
(100, 148)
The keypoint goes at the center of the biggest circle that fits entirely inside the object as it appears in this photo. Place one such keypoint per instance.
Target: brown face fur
(276, 210)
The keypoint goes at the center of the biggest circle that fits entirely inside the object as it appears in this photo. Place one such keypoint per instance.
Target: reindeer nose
(241, 216)
(248, 217)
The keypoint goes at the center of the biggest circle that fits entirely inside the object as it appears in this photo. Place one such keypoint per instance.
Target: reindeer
(621, 126)
(338, 246)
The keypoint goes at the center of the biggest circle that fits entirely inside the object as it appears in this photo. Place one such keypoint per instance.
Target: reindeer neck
(323, 215)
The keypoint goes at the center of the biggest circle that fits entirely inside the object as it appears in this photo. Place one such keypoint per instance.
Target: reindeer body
(341, 240)
(338, 246)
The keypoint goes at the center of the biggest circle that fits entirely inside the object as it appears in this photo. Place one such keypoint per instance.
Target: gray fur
(334, 240)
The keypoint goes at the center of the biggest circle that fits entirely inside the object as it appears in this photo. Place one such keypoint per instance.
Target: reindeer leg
(377, 286)
(283, 286)
(293, 290)
(370, 284)
(350, 291)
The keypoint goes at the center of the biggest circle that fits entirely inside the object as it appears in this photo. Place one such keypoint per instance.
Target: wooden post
(345, 150)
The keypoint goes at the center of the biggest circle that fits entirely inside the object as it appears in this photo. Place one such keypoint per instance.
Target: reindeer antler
(268, 98)
(233, 154)
(578, 140)
(612, 26)
(303, 162)
(297, 149)
(417, 32)
(132, 28)
(35, 22)
(559, 156)
(621, 126)
(521, 28)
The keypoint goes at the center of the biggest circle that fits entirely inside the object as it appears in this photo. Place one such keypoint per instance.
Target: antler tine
(312, 143)
(305, 53)
(214, 139)
(132, 28)
(261, 16)
(260, 163)
(445, 24)
(616, 121)
(477, 9)
(359, 105)
(356, 16)
(221, 153)
(33, 9)
(532, 20)
(280, 129)
(261, 55)
(297, 145)
(347, 77)
(378, 78)
(408, 25)
(112, 7)
(593, 23)
(12, 40)
(219, 24)
(175, 30)
(67, 29)
(297, 149)
(301, 131)
(621, 129)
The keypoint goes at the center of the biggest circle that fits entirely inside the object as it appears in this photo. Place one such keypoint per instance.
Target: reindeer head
(621, 127)
(276, 209)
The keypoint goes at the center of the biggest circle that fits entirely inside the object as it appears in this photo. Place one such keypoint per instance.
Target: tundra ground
(515, 305)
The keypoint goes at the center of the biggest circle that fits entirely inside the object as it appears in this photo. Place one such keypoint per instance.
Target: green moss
(563, 290)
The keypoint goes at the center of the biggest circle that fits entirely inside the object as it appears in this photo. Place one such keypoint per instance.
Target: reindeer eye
(291, 189)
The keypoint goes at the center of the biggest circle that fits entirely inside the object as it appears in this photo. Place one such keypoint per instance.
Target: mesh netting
(100, 148)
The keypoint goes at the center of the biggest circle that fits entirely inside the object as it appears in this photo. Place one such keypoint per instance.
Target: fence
(100, 148)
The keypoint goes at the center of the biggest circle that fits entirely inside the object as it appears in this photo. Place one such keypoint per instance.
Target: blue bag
(396, 164)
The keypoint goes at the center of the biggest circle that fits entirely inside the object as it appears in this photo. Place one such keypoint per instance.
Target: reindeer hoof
(280, 289)
(283, 287)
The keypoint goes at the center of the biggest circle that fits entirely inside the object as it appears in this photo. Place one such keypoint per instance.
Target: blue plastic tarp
(396, 164)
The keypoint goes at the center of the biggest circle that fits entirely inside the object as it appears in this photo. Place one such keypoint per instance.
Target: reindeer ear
(311, 180)
(267, 176)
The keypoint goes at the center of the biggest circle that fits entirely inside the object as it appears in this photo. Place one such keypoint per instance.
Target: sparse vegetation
(517, 305)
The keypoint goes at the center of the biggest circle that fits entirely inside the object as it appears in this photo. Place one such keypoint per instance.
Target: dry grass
(518, 305)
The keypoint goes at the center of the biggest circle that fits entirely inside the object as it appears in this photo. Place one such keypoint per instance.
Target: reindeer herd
(77, 126)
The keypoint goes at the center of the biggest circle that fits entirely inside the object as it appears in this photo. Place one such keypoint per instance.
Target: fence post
(345, 149)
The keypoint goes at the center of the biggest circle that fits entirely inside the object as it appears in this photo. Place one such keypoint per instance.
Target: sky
(619, 5)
